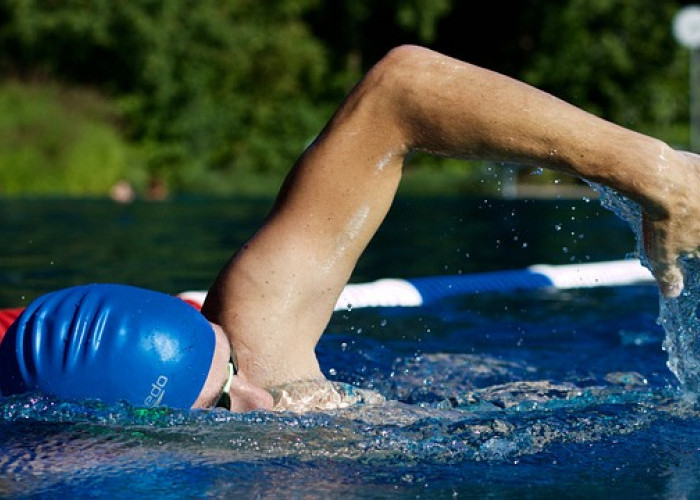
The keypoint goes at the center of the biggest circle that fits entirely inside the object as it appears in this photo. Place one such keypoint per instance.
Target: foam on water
(50, 445)
(496, 422)
(542, 394)
(678, 316)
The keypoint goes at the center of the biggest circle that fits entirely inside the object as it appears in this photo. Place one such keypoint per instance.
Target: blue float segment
(435, 288)
(415, 292)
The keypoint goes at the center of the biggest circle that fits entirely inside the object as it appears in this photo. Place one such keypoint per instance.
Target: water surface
(533, 394)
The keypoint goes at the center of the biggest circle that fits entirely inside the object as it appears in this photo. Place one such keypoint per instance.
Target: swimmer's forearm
(452, 108)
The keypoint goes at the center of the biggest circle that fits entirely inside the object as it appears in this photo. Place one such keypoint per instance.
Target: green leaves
(195, 79)
(58, 140)
(205, 93)
(616, 58)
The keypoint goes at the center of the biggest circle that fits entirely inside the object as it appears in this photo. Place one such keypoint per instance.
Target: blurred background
(145, 98)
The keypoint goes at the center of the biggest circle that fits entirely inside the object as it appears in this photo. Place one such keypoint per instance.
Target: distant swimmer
(272, 300)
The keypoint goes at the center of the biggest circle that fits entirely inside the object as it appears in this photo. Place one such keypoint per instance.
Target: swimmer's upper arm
(278, 293)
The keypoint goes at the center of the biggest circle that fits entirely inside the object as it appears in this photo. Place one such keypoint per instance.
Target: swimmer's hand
(675, 233)
(321, 395)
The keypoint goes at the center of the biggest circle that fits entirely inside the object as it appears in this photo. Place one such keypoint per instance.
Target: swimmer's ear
(245, 396)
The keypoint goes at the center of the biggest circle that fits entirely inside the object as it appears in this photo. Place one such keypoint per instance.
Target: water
(678, 316)
(535, 394)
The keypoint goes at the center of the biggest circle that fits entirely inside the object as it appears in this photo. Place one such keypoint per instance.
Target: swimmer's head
(115, 343)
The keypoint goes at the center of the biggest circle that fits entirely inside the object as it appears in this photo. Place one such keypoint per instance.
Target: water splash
(52, 448)
(680, 321)
(497, 423)
(677, 316)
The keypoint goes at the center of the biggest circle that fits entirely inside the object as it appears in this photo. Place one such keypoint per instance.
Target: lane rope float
(416, 292)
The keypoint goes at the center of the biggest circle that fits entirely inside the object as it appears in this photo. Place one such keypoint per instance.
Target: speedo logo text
(157, 392)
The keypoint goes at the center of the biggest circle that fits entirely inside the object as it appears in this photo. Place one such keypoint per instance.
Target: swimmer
(271, 302)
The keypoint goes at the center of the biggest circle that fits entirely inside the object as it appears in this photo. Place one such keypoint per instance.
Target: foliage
(222, 95)
(616, 58)
(359, 32)
(57, 140)
(202, 84)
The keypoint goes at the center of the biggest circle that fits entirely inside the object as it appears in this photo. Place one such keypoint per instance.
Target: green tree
(54, 139)
(359, 32)
(203, 86)
(212, 92)
(618, 59)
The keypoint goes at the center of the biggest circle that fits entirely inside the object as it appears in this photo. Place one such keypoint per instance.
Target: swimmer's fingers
(664, 261)
(670, 279)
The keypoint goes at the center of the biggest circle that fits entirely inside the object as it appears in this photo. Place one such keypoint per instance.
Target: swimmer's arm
(276, 295)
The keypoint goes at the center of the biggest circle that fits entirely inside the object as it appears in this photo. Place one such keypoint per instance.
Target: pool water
(535, 394)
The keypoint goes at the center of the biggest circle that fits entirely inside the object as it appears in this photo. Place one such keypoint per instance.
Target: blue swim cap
(109, 342)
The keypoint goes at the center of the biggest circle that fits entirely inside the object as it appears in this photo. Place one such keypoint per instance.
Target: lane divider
(416, 292)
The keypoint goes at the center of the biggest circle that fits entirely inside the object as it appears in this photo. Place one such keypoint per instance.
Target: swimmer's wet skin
(109, 342)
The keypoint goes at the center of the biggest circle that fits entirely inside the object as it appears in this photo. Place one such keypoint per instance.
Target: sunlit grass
(59, 141)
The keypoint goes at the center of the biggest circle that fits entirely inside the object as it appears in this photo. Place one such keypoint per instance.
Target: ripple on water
(677, 316)
(63, 442)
